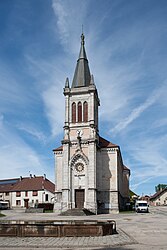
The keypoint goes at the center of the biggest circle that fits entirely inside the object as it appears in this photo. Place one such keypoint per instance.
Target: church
(90, 173)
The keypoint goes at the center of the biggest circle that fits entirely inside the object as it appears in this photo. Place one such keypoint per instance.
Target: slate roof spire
(82, 75)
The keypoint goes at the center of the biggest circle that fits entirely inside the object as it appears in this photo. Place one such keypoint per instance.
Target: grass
(48, 211)
(127, 212)
(1, 215)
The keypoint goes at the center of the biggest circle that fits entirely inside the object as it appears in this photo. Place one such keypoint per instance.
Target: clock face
(79, 167)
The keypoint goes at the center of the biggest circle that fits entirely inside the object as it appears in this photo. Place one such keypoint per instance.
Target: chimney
(30, 176)
(21, 178)
(44, 176)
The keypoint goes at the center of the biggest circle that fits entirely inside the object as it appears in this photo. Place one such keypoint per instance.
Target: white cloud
(16, 157)
(137, 112)
(138, 184)
(54, 108)
(62, 19)
(11, 92)
(148, 160)
(70, 14)
(50, 80)
(160, 123)
(31, 130)
(1, 120)
(115, 91)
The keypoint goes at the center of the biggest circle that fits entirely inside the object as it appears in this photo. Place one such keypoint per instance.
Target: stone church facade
(90, 172)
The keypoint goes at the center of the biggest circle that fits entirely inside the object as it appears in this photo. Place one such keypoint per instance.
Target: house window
(79, 112)
(18, 194)
(74, 112)
(7, 193)
(35, 193)
(85, 112)
(46, 197)
(26, 193)
(18, 203)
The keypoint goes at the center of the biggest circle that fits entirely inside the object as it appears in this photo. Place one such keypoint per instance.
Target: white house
(159, 198)
(27, 191)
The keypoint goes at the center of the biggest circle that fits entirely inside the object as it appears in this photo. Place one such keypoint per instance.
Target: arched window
(79, 112)
(85, 112)
(74, 112)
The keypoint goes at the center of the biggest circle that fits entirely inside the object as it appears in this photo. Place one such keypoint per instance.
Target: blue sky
(126, 48)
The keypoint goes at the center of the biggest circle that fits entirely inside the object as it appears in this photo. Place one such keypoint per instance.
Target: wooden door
(26, 203)
(79, 198)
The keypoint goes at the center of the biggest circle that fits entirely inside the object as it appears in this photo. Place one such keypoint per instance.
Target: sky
(125, 42)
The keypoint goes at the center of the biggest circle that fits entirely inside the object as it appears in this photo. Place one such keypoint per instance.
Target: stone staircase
(77, 212)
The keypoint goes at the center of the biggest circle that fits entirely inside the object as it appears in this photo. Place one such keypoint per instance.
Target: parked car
(4, 205)
(141, 206)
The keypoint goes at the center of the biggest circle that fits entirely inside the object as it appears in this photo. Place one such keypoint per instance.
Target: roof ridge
(158, 193)
(105, 143)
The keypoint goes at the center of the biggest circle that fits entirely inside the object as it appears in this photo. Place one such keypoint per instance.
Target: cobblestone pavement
(135, 231)
(67, 242)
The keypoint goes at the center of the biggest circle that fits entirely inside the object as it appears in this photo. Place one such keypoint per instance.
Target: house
(6, 186)
(144, 198)
(159, 198)
(27, 191)
(90, 172)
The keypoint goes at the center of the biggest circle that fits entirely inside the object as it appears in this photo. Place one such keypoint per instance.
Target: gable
(103, 143)
(158, 194)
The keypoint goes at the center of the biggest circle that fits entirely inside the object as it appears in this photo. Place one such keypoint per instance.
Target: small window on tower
(85, 112)
(79, 112)
(74, 112)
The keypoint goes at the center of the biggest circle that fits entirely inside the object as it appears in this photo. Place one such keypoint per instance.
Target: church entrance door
(79, 198)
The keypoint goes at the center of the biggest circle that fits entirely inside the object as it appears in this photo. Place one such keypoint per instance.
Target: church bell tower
(76, 172)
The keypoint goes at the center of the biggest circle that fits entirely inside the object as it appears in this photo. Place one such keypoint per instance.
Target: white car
(141, 206)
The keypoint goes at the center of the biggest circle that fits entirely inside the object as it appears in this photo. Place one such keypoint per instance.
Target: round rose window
(79, 167)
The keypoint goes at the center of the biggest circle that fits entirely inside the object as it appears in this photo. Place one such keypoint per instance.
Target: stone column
(91, 203)
(65, 177)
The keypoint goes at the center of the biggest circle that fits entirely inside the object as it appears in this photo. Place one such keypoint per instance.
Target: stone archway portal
(79, 198)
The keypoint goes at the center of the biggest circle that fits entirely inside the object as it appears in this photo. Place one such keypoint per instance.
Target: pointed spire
(82, 73)
(82, 54)
(67, 83)
(92, 80)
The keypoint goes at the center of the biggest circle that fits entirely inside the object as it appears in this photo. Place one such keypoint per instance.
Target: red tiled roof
(58, 149)
(26, 184)
(158, 193)
(6, 185)
(34, 183)
(106, 144)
